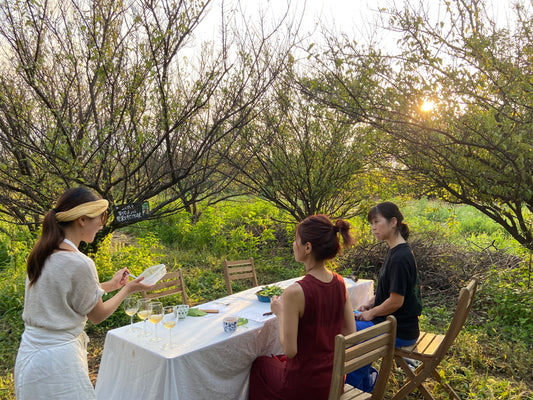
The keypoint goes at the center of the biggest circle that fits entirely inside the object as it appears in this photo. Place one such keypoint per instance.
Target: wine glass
(144, 311)
(170, 318)
(155, 317)
(131, 305)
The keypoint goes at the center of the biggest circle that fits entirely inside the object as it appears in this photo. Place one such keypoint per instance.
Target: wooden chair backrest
(464, 304)
(240, 269)
(171, 283)
(362, 348)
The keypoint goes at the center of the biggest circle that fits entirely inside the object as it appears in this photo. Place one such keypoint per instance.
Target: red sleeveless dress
(308, 374)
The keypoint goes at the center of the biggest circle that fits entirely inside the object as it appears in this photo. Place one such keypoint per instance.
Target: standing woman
(398, 289)
(62, 292)
(311, 312)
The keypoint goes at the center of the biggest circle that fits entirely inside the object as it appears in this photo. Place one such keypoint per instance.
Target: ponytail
(52, 235)
(343, 227)
(404, 230)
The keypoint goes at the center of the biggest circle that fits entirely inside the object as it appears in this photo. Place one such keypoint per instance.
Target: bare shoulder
(293, 291)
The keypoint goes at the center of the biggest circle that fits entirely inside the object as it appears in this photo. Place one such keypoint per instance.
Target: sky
(355, 17)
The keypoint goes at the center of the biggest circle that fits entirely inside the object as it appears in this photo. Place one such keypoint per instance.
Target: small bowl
(230, 324)
(153, 274)
(263, 299)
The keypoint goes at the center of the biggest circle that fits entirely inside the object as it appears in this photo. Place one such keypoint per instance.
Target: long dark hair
(322, 234)
(389, 210)
(52, 233)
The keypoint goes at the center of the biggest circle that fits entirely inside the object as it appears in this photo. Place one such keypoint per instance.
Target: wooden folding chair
(359, 349)
(430, 349)
(241, 269)
(171, 283)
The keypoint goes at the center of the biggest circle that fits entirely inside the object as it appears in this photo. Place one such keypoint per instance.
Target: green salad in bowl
(267, 292)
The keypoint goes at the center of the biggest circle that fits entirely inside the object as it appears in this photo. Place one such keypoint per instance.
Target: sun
(427, 105)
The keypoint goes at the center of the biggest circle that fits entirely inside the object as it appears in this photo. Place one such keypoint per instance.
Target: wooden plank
(362, 348)
(236, 270)
(351, 393)
(368, 358)
(241, 276)
(238, 262)
(427, 344)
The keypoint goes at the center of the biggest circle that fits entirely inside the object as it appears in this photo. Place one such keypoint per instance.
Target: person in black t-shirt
(398, 289)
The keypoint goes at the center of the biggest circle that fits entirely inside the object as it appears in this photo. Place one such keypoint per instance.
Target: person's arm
(102, 309)
(393, 303)
(348, 326)
(288, 309)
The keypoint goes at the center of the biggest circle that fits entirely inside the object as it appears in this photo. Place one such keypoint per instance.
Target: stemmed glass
(131, 305)
(144, 311)
(170, 318)
(155, 317)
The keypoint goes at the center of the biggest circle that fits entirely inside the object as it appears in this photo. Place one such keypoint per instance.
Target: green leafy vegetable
(195, 312)
(269, 291)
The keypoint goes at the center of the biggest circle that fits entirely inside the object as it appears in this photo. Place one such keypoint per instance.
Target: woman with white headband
(62, 292)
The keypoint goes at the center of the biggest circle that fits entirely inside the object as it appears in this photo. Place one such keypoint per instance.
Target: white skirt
(52, 365)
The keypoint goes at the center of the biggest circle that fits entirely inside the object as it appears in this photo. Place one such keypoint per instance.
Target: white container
(153, 274)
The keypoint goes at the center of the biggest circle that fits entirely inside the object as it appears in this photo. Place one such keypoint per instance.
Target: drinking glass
(155, 317)
(170, 317)
(131, 306)
(145, 310)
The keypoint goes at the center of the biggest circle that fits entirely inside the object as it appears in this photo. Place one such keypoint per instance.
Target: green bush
(508, 306)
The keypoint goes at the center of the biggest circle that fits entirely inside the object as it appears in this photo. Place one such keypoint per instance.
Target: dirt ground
(94, 353)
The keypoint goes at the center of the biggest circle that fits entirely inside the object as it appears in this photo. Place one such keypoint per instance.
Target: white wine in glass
(155, 317)
(131, 306)
(145, 310)
(170, 317)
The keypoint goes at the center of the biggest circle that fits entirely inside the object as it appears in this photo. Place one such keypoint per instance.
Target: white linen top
(67, 290)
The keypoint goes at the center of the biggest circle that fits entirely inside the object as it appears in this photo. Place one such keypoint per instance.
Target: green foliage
(12, 276)
(458, 224)
(136, 257)
(228, 230)
(490, 358)
(509, 306)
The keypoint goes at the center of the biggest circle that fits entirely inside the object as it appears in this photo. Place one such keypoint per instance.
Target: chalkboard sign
(131, 212)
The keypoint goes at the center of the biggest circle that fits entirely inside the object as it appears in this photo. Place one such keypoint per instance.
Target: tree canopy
(475, 145)
(106, 94)
(305, 158)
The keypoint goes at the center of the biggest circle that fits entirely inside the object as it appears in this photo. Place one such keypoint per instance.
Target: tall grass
(491, 358)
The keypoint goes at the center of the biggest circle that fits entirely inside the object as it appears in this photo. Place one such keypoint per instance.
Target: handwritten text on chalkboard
(131, 212)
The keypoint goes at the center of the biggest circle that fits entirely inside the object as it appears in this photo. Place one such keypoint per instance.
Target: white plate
(153, 274)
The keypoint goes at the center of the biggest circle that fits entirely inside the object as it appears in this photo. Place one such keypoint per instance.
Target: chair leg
(446, 387)
(414, 380)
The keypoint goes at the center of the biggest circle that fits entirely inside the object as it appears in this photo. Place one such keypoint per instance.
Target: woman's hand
(365, 316)
(276, 305)
(117, 281)
(137, 285)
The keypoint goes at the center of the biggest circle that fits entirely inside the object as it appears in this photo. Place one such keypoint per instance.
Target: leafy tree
(107, 94)
(303, 157)
(475, 145)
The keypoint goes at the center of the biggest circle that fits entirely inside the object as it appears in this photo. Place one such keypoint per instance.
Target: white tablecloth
(208, 363)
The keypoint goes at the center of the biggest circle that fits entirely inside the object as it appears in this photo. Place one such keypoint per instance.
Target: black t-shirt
(399, 275)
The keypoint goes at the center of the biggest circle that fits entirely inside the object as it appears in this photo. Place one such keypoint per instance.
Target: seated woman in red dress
(311, 312)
